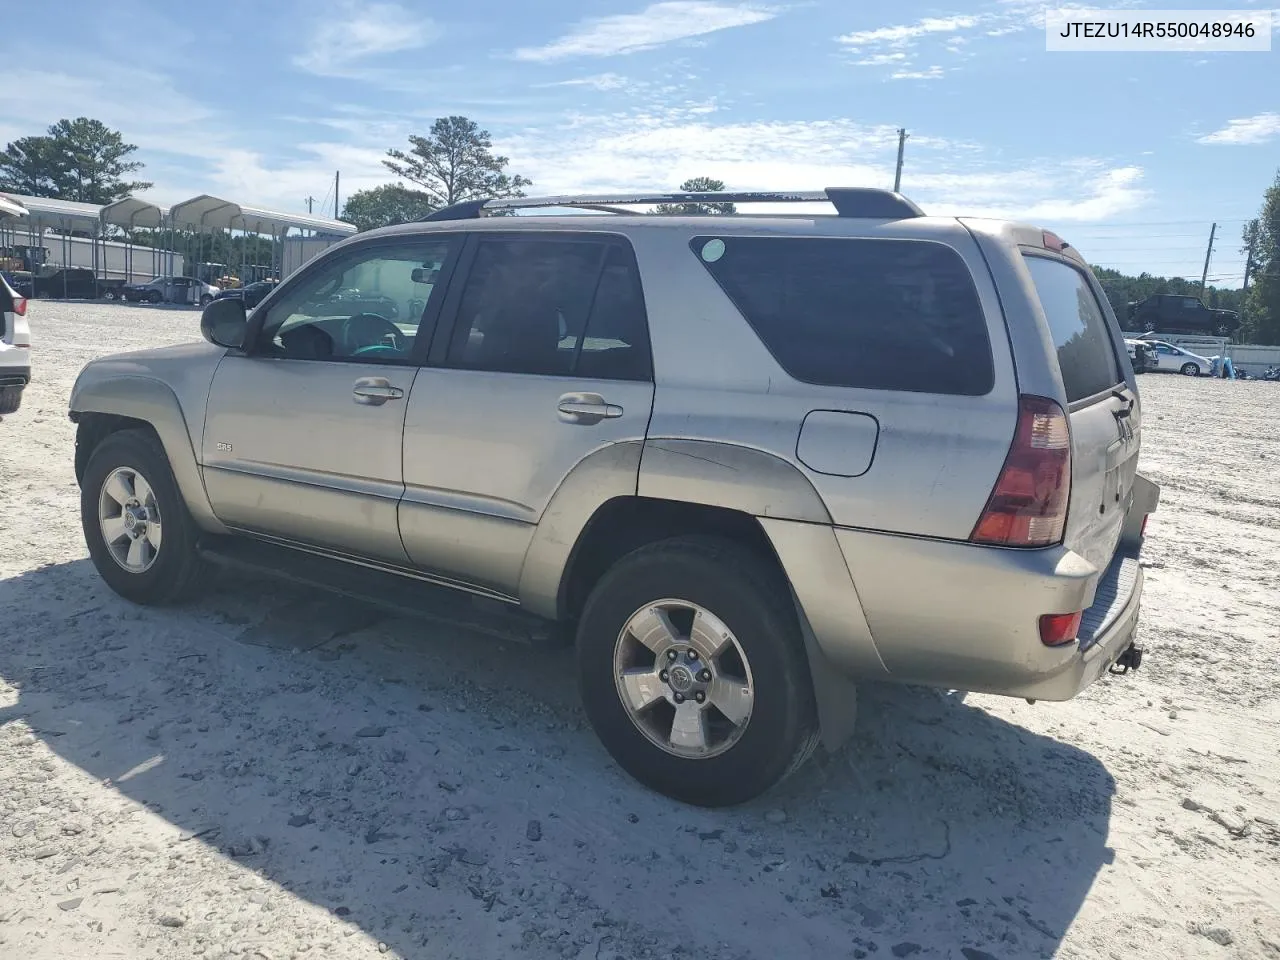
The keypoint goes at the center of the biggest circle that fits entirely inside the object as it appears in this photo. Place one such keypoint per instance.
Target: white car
(1180, 360)
(15, 348)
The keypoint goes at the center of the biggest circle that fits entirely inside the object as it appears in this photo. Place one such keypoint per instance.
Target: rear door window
(550, 306)
(877, 314)
(1078, 326)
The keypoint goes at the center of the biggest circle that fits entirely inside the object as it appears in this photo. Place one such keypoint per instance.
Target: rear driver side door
(303, 429)
(542, 362)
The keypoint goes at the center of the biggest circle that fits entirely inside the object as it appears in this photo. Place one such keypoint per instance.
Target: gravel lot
(270, 773)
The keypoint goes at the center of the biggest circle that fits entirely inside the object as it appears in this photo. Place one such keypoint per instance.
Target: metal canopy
(76, 216)
(11, 208)
(207, 212)
(134, 212)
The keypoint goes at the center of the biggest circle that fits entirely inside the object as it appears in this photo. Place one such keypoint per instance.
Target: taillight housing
(20, 306)
(1028, 506)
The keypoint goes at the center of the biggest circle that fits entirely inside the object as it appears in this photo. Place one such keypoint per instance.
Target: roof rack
(848, 201)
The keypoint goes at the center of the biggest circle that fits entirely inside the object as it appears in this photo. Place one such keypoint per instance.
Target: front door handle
(375, 391)
(586, 408)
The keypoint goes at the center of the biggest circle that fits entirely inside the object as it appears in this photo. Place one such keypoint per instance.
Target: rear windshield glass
(878, 314)
(1086, 354)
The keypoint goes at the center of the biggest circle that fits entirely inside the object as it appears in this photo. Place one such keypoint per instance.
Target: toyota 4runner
(747, 460)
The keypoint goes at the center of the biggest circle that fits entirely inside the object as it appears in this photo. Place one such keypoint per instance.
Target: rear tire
(205, 300)
(155, 296)
(10, 399)
(108, 295)
(742, 607)
(128, 492)
(1150, 325)
(1191, 369)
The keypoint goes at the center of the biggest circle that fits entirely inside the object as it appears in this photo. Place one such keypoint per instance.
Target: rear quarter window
(877, 314)
(1081, 336)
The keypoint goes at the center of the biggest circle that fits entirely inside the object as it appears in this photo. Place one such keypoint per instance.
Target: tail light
(1143, 532)
(1028, 507)
(1057, 629)
(20, 306)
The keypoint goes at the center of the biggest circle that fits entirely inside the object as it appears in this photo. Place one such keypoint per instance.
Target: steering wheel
(373, 331)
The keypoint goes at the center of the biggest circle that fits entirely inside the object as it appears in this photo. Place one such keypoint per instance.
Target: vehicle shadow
(439, 793)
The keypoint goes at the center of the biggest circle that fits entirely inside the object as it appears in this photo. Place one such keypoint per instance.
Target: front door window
(366, 306)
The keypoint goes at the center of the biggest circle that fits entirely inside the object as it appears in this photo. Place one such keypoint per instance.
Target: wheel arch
(101, 407)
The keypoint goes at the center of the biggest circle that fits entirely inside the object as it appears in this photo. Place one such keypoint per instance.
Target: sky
(1130, 156)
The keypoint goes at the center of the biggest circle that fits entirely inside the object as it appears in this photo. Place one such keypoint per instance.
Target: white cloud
(1245, 130)
(657, 151)
(881, 60)
(933, 73)
(657, 24)
(340, 39)
(600, 81)
(905, 33)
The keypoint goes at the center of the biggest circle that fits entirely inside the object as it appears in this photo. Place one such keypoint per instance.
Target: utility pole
(310, 201)
(902, 145)
(1248, 259)
(336, 174)
(1207, 254)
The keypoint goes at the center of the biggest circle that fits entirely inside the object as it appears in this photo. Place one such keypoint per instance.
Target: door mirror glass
(224, 323)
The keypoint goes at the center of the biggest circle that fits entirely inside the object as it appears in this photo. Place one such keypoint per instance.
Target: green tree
(82, 160)
(27, 167)
(1264, 295)
(386, 205)
(697, 185)
(455, 162)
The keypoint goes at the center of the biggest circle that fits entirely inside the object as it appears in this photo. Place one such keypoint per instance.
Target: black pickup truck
(1170, 313)
(69, 283)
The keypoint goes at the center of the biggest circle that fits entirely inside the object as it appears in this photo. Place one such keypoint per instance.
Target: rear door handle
(586, 408)
(374, 391)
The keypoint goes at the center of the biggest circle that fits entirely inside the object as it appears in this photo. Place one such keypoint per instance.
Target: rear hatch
(1105, 424)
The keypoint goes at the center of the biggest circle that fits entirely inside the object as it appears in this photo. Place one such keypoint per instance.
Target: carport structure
(133, 213)
(205, 214)
(63, 215)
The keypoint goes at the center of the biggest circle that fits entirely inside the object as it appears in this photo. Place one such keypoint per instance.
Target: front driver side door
(302, 438)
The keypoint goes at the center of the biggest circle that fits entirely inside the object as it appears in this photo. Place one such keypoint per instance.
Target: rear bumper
(956, 615)
(13, 376)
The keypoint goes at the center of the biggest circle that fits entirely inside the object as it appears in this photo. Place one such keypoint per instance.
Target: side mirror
(225, 323)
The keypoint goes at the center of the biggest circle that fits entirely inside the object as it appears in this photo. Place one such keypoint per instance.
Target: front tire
(1191, 369)
(205, 300)
(108, 295)
(155, 296)
(139, 532)
(693, 671)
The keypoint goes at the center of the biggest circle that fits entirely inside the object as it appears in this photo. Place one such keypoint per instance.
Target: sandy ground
(273, 774)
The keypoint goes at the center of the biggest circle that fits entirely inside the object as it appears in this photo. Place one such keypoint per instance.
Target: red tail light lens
(1028, 507)
(1143, 532)
(20, 306)
(1059, 628)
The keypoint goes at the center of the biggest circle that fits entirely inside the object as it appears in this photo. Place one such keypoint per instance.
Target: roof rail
(849, 202)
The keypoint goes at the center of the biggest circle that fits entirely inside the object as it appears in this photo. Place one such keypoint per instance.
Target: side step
(401, 593)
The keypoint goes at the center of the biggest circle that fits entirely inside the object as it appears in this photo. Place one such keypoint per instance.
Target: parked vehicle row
(743, 461)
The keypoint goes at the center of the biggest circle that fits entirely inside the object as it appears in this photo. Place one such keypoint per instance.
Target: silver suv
(747, 459)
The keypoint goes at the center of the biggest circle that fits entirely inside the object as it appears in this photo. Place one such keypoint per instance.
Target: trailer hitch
(1130, 659)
